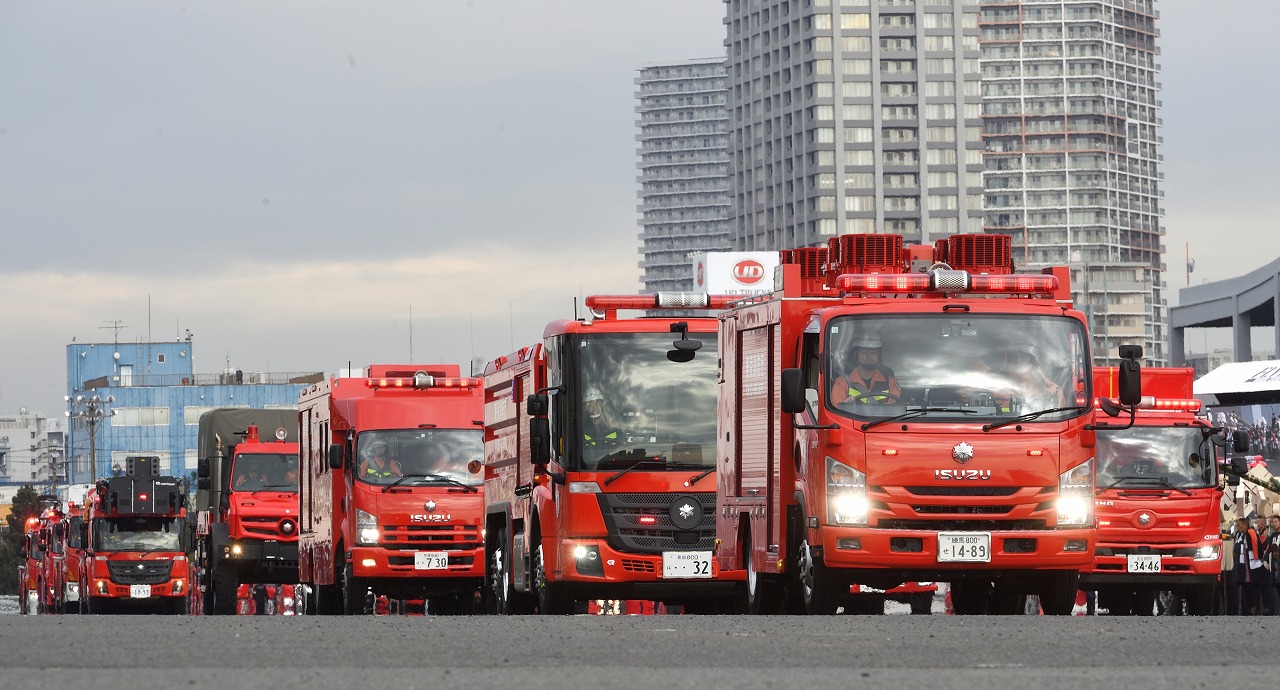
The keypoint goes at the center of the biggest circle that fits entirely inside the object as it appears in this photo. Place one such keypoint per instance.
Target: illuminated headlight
(236, 550)
(366, 528)
(102, 586)
(73, 589)
(177, 586)
(579, 552)
(288, 602)
(1075, 495)
(1209, 552)
(846, 494)
(587, 560)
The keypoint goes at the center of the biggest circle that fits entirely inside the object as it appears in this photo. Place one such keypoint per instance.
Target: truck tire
(355, 594)
(224, 592)
(970, 597)
(764, 592)
(1200, 599)
(820, 586)
(553, 600)
(1006, 601)
(1058, 592)
(498, 572)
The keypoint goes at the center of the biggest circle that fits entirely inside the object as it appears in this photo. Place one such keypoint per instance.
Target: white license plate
(139, 591)
(964, 547)
(686, 564)
(1144, 563)
(431, 560)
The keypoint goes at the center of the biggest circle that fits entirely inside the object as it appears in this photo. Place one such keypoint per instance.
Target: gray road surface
(668, 652)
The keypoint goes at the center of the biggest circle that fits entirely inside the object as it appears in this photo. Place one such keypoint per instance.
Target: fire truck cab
(600, 461)
(135, 543)
(1158, 497)
(391, 491)
(59, 576)
(899, 414)
(31, 557)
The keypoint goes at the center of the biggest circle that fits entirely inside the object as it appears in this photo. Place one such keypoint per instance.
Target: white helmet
(593, 394)
(867, 341)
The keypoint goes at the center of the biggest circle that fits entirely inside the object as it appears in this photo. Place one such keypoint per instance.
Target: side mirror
(1239, 466)
(536, 404)
(1239, 441)
(539, 440)
(225, 503)
(335, 456)
(793, 391)
(202, 468)
(84, 536)
(1130, 384)
(202, 484)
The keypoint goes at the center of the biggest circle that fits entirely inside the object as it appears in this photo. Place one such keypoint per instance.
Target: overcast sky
(290, 180)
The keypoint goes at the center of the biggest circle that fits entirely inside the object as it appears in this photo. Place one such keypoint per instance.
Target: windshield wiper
(1162, 480)
(639, 461)
(1029, 416)
(700, 476)
(432, 477)
(911, 414)
(277, 486)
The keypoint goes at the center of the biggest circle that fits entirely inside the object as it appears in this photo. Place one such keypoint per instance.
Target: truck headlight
(1075, 495)
(177, 586)
(1209, 552)
(366, 529)
(846, 494)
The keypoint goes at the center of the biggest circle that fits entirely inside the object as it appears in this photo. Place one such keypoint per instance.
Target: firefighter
(250, 479)
(870, 381)
(1021, 367)
(377, 467)
(597, 430)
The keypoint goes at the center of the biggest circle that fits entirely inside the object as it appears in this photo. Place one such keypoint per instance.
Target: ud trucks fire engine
(59, 578)
(135, 553)
(896, 414)
(600, 461)
(391, 493)
(247, 520)
(1158, 497)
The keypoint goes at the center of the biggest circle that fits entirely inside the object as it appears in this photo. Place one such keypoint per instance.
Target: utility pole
(91, 411)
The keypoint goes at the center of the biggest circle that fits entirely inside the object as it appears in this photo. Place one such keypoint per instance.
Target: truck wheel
(1058, 592)
(224, 592)
(922, 604)
(820, 586)
(764, 592)
(499, 574)
(552, 599)
(1200, 599)
(355, 594)
(970, 597)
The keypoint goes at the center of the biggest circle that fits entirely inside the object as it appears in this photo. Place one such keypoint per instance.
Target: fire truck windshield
(634, 405)
(1156, 458)
(949, 366)
(265, 472)
(138, 534)
(438, 455)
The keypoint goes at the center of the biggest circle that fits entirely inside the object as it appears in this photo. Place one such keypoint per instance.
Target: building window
(160, 358)
(140, 416)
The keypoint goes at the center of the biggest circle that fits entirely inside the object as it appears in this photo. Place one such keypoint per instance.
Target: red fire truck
(135, 552)
(1158, 498)
(899, 414)
(31, 556)
(247, 520)
(600, 461)
(391, 499)
(59, 579)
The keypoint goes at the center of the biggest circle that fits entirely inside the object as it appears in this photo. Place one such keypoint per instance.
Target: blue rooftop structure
(146, 399)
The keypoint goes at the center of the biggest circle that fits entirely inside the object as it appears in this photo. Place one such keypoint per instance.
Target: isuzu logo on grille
(962, 452)
(962, 475)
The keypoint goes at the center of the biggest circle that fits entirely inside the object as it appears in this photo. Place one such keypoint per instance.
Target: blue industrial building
(146, 399)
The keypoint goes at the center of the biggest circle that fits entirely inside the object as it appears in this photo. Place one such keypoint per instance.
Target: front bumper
(379, 562)
(617, 574)
(915, 553)
(106, 589)
(1110, 567)
(271, 551)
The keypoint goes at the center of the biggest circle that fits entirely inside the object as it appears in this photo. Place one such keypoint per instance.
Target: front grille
(1177, 552)
(962, 510)
(963, 525)
(633, 566)
(440, 537)
(622, 514)
(962, 490)
(128, 572)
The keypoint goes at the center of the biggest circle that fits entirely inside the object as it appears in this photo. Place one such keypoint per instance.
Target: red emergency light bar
(420, 380)
(662, 300)
(948, 281)
(1152, 403)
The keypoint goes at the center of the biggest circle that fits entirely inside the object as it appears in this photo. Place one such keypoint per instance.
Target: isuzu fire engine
(247, 520)
(391, 492)
(600, 461)
(970, 462)
(135, 552)
(1158, 498)
(59, 580)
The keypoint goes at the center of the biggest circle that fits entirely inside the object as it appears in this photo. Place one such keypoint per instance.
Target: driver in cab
(377, 467)
(869, 381)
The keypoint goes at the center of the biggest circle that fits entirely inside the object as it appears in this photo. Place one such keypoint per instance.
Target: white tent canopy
(1241, 377)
